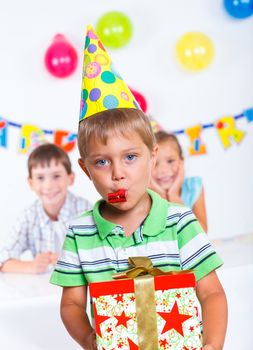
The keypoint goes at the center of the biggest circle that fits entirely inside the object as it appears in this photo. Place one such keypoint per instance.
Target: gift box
(147, 312)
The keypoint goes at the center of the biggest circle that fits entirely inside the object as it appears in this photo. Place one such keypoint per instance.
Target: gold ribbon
(143, 274)
(143, 266)
(146, 313)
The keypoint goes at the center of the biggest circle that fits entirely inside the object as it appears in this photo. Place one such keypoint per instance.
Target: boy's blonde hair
(163, 136)
(120, 121)
(43, 154)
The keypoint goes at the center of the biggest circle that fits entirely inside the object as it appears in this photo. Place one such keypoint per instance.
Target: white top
(36, 232)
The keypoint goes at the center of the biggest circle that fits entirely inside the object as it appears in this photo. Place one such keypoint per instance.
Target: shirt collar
(42, 215)
(63, 214)
(156, 220)
(104, 226)
(154, 223)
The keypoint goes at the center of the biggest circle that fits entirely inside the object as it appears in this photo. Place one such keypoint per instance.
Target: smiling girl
(169, 181)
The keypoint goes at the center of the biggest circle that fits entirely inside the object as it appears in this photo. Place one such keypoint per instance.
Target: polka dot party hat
(102, 86)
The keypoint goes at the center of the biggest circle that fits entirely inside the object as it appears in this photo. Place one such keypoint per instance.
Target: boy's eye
(170, 161)
(131, 157)
(57, 176)
(101, 162)
(40, 178)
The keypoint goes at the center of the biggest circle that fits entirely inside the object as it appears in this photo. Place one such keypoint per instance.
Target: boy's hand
(153, 185)
(53, 258)
(91, 340)
(41, 262)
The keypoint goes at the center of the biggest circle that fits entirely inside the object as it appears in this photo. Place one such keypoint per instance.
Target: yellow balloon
(195, 51)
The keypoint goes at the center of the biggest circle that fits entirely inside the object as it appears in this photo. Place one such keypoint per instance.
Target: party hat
(102, 87)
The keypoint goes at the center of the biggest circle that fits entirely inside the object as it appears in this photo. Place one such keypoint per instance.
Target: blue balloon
(239, 8)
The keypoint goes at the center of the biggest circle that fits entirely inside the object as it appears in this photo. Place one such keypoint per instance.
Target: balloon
(195, 51)
(61, 57)
(239, 8)
(140, 99)
(114, 29)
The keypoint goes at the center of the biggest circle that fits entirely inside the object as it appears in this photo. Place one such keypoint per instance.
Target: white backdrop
(177, 99)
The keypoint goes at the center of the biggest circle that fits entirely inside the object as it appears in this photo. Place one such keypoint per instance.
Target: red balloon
(61, 57)
(140, 99)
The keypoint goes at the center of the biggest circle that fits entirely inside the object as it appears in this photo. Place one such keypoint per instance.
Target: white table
(29, 311)
(238, 284)
(29, 314)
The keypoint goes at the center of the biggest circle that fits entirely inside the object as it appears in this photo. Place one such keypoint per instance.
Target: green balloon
(114, 29)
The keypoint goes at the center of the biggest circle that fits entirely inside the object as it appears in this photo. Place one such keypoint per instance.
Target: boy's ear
(29, 180)
(83, 167)
(71, 178)
(155, 150)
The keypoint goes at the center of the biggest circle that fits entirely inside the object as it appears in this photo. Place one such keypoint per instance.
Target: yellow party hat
(102, 87)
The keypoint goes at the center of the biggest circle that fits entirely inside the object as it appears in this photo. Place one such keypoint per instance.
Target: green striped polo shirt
(171, 236)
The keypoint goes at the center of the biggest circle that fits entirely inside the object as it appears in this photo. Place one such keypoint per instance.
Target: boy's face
(50, 183)
(123, 162)
(167, 164)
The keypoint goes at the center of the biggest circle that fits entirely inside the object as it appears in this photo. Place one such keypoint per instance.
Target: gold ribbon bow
(143, 274)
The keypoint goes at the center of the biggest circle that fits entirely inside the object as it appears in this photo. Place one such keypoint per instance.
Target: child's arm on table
(199, 209)
(214, 311)
(38, 265)
(74, 316)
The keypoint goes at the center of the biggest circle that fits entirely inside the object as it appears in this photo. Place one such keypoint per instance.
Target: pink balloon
(61, 57)
(140, 99)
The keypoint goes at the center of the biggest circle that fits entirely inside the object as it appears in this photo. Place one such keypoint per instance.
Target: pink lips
(118, 196)
(165, 180)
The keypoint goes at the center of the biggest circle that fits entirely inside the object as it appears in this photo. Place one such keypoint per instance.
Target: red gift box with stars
(117, 312)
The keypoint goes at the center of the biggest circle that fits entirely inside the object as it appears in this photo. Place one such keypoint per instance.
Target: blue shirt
(191, 190)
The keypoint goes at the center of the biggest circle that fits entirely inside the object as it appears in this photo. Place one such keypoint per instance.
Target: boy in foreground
(118, 150)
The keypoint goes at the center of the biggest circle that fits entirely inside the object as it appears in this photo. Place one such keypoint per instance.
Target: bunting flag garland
(3, 132)
(155, 126)
(65, 139)
(226, 130)
(31, 135)
(196, 146)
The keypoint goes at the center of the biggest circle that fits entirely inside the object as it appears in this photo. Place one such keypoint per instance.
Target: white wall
(178, 99)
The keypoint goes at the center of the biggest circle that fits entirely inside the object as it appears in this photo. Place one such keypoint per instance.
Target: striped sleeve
(68, 271)
(196, 251)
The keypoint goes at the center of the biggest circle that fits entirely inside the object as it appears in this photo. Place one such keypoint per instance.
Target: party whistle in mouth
(117, 197)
